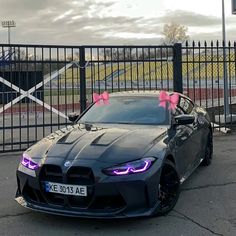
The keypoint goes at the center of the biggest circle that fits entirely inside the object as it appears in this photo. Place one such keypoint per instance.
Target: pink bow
(172, 99)
(98, 97)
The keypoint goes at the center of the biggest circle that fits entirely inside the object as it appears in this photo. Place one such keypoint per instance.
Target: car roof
(152, 93)
(148, 93)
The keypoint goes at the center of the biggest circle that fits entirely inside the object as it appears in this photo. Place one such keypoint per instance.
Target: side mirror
(184, 120)
(73, 117)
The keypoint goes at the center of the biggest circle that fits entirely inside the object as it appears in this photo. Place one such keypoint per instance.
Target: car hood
(111, 145)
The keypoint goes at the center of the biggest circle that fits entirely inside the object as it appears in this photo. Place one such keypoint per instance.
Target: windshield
(128, 110)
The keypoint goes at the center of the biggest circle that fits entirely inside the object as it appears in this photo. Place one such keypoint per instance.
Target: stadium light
(9, 24)
(227, 117)
(226, 96)
(233, 7)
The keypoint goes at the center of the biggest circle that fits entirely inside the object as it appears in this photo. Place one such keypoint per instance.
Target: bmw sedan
(125, 156)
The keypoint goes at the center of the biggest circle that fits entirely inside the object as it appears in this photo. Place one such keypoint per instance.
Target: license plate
(66, 189)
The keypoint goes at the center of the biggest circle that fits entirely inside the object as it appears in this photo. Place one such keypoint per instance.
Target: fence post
(177, 68)
(82, 72)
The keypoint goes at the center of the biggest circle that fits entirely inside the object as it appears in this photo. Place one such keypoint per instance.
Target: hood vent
(106, 138)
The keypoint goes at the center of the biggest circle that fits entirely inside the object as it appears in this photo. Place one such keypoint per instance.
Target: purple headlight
(28, 163)
(131, 168)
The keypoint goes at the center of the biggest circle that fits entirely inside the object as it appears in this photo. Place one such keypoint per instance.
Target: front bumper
(109, 197)
(82, 214)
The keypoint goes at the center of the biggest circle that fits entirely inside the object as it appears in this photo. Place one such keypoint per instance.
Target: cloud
(83, 22)
(203, 36)
(62, 16)
(190, 18)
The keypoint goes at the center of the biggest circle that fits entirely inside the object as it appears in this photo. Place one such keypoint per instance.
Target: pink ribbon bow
(98, 97)
(172, 99)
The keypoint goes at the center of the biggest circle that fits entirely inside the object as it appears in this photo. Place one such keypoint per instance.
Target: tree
(174, 33)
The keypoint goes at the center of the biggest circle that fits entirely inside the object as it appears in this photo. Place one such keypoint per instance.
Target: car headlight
(27, 162)
(133, 167)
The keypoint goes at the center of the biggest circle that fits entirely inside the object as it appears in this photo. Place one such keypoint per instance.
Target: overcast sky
(83, 22)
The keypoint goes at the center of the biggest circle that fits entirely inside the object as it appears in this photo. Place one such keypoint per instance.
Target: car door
(195, 140)
(183, 145)
(203, 130)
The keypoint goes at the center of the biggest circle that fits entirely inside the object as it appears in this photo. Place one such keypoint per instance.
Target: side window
(186, 105)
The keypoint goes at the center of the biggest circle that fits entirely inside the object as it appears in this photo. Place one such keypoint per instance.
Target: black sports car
(124, 158)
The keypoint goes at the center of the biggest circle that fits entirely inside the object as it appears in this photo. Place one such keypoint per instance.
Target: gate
(41, 85)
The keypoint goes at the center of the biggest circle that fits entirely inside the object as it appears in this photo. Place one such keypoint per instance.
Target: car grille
(76, 176)
(33, 195)
(80, 175)
(51, 173)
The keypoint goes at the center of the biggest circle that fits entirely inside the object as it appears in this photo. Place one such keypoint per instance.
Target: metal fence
(41, 85)
(205, 68)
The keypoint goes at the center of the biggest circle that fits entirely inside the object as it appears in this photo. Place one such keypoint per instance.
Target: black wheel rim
(168, 188)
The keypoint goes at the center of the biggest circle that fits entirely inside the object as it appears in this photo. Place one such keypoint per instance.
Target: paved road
(207, 205)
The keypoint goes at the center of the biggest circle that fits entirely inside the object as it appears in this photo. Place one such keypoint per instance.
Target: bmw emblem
(67, 164)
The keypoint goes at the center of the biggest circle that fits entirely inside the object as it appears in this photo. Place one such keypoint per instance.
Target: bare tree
(174, 33)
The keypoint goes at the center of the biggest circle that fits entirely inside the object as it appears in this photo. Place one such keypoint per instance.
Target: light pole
(226, 95)
(227, 117)
(9, 24)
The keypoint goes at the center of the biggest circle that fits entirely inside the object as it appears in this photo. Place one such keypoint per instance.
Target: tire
(168, 189)
(208, 151)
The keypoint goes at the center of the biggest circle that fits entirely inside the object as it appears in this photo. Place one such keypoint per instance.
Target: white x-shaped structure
(33, 89)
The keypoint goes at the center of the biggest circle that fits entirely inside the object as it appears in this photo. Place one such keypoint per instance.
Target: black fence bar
(82, 69)
(177, 64)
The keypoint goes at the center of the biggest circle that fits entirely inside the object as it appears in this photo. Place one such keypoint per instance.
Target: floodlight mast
(233, 3)
(226, 95)
(227, 117)
(9, 24)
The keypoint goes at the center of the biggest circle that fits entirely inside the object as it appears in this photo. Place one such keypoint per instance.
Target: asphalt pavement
(207, 205)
